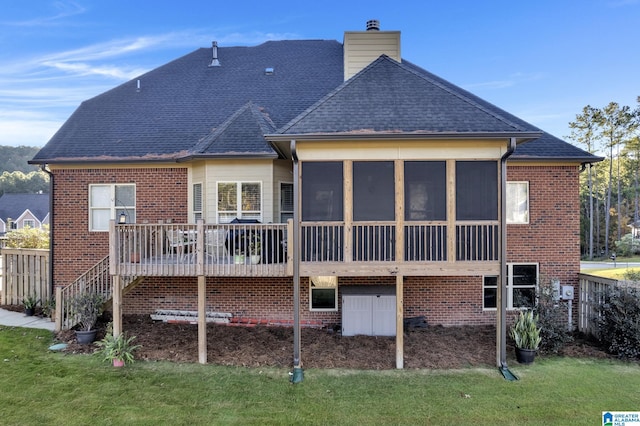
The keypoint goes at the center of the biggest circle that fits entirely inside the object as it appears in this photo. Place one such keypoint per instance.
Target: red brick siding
(161, 194)
(551, 239)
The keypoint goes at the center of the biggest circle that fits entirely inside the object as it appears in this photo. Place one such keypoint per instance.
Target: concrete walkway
(19, 319)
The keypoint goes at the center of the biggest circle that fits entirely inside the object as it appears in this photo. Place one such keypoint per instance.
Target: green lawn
(40, 387)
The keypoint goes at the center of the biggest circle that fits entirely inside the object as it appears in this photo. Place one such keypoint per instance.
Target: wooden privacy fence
(592, 291)
(24, 272)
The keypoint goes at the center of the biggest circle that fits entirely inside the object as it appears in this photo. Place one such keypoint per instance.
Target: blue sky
(540, 60)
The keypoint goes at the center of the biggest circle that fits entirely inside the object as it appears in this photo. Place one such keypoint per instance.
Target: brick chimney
(363, 47)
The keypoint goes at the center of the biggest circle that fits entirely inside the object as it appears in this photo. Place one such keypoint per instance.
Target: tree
(583, 131)
(615, 124)
(19, 182)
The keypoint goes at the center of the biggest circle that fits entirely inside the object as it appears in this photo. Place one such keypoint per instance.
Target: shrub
(618, 321)
(553, 318)
(31, 238)
(627, 246)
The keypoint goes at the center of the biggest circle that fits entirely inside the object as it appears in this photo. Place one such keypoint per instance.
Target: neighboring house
(401, 187)
(19, 211)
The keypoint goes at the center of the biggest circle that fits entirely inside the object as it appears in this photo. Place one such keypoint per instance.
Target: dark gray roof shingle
(14, 205)
(186, 109)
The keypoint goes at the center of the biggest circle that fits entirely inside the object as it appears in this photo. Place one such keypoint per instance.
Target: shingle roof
(186, 109)
(182, 102)
(389, 97)
(14, 205)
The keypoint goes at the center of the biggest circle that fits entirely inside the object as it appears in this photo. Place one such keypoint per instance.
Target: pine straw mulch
(433, 347)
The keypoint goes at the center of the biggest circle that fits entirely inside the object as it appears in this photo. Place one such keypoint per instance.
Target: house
(311, 181)
(19, 211)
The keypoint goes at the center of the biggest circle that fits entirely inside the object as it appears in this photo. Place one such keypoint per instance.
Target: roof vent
(268, 71)
(214, 52)
(373, 25)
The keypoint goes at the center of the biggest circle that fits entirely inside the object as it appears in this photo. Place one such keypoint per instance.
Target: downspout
(502, 294)
(297, 375)
(43, 167)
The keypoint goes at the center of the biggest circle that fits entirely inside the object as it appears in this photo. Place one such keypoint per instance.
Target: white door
(369, 315)
(384, 315)
(356, 315)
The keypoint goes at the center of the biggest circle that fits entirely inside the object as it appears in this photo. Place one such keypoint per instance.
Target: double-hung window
(522, 281)
(517, 202)
(242, 200)
(110, 201)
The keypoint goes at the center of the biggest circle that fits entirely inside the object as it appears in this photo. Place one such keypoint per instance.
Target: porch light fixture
(122, 219)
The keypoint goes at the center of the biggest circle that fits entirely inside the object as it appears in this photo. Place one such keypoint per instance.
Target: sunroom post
(202, 319)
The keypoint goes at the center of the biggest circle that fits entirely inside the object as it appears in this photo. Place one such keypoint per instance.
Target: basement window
(522, 280)
(323, 294)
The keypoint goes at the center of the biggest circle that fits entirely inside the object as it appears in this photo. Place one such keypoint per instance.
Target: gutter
(297, 375)
(502, 294)
(519, 137)
(43, 167)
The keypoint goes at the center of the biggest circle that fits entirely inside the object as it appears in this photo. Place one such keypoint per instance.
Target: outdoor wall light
(123, 219)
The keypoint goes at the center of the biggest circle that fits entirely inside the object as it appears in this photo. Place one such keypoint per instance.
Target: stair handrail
(96, 279)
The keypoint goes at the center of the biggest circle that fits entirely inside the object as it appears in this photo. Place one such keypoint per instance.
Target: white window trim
(31, 223)
(512, 206)
(323, 283)
(112, 207)
(239, 212)
(510, 286)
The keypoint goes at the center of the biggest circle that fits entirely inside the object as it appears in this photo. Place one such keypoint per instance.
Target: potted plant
(86, 307)
(255, 248)
(117, 350)
(238, 258)
(30, 302)
(49, 308)
(526, 335)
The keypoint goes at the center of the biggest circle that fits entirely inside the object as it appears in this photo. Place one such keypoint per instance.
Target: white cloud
(512, 80)
(66, 9)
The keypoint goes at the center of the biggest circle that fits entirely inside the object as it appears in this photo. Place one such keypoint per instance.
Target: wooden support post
(116, 301)
(399, 322)
(202, 319)
(59, 309)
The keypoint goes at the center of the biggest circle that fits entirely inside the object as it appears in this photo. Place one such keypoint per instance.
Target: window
(286, 201)
(322, 191)
(29, 223)
(108, 202)
(518, 202)
(242, 200)
(476, 190)
(323, 293)
(197, 201)
(425, 190)
(522, 280)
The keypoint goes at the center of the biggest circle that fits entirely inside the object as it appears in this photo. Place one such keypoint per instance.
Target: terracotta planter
(135, 257)
(118, 363)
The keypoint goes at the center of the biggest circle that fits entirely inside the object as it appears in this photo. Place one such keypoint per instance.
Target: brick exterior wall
(161, 194)
(550, 239)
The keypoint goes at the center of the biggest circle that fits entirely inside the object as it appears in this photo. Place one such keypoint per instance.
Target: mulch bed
(432, 347)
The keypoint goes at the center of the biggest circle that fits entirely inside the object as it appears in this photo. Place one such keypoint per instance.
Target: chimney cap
(373, 25)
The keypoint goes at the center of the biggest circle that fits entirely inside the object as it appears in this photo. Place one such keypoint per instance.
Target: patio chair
(180, 243)
(214, 244)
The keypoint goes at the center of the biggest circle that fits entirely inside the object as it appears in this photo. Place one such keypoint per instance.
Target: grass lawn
(41, 387)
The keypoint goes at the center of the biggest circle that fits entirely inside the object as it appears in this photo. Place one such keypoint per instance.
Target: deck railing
(236, 249)
(255, 249)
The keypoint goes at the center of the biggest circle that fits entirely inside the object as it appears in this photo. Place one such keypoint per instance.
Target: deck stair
(96, 279)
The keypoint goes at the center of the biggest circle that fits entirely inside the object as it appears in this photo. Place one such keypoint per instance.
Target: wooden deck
(326, 248)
